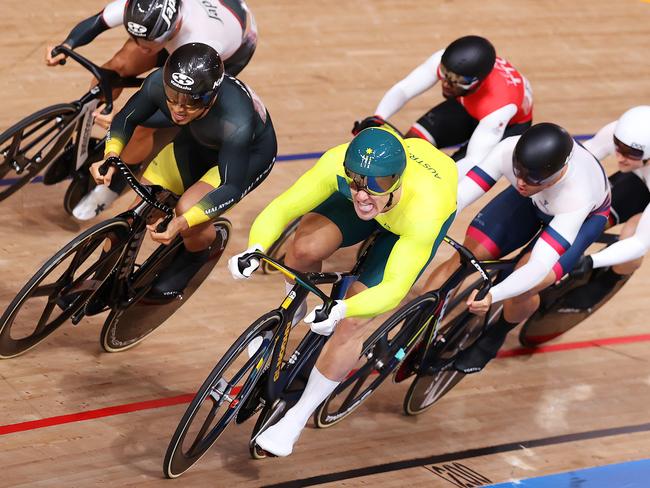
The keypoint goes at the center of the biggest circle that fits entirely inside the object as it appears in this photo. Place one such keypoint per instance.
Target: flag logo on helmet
(366, 159)
(136, 29)
(182, 81)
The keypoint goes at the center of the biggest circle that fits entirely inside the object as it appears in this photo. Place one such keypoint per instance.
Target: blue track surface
(634, 474)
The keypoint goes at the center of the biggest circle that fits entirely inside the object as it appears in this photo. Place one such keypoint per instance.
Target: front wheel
(31, 144)
(61, 287)
(222, 394)
(459, 332)
(382, 353)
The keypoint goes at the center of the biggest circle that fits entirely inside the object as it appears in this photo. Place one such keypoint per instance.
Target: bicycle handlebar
(468, 259)
(141, 190)
(107, 79)
(304, 279)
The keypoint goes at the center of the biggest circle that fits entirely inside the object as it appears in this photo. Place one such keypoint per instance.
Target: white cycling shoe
(95, 202)
(280, 438)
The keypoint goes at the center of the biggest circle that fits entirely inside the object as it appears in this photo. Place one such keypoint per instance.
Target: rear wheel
(28, 146)
(222, 394)
(61, 287)
(130, 323)
(382, 353)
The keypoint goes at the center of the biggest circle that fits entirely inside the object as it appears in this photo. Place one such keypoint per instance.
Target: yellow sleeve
(309, 191)
(113, 145)
(407, 259)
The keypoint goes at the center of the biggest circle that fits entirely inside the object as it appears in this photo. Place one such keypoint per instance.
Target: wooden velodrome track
(318, 67)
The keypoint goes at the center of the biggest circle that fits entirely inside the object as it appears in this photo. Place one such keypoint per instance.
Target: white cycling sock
(317, 390)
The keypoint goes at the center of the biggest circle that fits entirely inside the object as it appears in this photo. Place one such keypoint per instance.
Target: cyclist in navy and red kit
(558, 204)
(157, 28)
(487, 99)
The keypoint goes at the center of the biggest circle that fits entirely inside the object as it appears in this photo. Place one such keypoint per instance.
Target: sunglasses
(533, 180)
(628, 152)
(461, 81)
(187, 101)
(372, 185)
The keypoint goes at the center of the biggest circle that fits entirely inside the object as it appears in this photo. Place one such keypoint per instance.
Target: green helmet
(376, 151)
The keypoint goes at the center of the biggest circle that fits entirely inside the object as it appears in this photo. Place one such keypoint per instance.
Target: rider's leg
(338, 357)
(491, 234)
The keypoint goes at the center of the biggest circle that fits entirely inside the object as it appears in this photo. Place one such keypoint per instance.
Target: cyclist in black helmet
(487, 99)
(558, 203)
(156, 28)
(225, 148)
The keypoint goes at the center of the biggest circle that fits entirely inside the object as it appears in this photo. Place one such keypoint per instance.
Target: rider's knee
(306, 249)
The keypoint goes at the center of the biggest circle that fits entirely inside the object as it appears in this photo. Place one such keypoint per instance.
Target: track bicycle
(258, 373)
(60, 136)
(103, 269)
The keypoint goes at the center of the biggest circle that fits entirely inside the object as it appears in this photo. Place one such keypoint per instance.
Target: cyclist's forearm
(634, 247)
(520, 281)
(86, 31)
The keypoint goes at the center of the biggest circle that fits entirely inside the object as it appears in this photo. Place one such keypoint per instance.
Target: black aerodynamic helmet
(471, 56)
(195, 71)
(541, 152)
(152, 20)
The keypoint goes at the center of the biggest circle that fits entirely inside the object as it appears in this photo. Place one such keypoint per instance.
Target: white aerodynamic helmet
(632, 133)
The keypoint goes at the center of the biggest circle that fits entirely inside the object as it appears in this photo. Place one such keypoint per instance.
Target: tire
(30, 144)
(278, 249)
(382, 353)
(458, 332)
(74, 267)
(129, 324)
(243, 373)
(553, 318)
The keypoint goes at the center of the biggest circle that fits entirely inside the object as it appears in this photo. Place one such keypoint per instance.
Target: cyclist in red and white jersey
(156, 28)
(487, 99)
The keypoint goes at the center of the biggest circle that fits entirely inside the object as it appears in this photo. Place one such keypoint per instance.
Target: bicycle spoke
(351, 397)
(10, 154)
(42, 322)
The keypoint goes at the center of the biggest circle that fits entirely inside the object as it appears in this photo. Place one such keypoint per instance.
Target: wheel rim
(58, 290)
(25, 150)
(217, 402)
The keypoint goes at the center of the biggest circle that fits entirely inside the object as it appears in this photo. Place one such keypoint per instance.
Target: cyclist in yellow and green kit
(406, 190)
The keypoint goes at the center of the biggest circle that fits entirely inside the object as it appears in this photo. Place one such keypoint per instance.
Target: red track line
(569, 346)
(186, 398)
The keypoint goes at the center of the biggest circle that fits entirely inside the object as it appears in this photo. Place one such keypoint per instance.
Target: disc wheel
(61, 287)
(130, 322)
(382, 353)
(218, 400)
(555, 316)
(31, 144)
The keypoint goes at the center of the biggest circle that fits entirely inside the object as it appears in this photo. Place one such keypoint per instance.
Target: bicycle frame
(281, 375)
